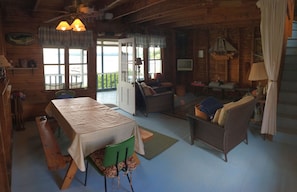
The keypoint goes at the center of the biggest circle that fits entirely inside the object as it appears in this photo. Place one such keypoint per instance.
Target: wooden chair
(113, 159)
(64, 94)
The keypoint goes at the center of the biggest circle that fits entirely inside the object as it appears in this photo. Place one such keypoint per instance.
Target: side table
(256, 120)
(199, 87)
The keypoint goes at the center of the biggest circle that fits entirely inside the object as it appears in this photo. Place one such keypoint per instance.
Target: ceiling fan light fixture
(77, 25)
(79, 29)
(63, 26)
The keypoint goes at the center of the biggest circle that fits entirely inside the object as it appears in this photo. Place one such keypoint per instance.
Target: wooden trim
(54, 158)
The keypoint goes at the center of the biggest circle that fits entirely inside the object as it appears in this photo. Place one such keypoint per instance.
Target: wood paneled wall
(31, 81)
(2, 48)
(180, 44)
(207, 69)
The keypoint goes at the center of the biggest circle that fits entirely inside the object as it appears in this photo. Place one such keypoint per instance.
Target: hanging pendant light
(82, 28)
(63, 26)
(77, 25)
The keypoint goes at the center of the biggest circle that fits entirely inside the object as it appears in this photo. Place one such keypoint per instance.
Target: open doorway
(107, 71)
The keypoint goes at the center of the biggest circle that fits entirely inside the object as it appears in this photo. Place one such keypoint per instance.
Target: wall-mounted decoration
(18, 38)
(184, 64)
(222, 49)
(201, 53)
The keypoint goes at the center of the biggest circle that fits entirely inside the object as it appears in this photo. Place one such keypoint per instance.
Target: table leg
(69, 175)
(192, 129)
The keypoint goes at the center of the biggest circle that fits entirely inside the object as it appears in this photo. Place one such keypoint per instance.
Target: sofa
(150, 100)
(227, 129)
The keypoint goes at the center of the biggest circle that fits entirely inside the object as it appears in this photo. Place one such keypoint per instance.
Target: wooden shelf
(12, 69)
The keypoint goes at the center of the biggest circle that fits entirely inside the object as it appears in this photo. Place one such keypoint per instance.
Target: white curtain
(49, 36)
(273, 15)
(146, 41)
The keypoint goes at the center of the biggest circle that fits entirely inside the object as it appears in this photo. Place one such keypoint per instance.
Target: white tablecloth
(91, 126)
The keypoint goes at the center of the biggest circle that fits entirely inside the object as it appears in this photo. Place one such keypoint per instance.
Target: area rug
(157, 144)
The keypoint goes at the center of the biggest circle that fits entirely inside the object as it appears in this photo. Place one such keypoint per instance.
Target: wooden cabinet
(5, 136)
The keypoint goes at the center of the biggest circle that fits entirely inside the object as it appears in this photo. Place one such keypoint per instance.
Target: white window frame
(63, 78)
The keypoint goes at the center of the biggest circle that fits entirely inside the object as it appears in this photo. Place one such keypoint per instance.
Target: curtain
(273, 15)
(157, 41)
(49, 36)
(146, 41)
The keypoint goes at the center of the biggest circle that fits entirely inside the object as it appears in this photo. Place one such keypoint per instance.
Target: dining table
(90, 125)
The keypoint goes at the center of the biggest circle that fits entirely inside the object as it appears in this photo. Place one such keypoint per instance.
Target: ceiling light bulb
(79, 29)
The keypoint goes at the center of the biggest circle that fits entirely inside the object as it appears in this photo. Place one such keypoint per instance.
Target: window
(65, 71)
(155, 61)
(78, 68)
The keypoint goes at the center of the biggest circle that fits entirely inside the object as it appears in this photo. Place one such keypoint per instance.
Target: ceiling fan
(83, 9)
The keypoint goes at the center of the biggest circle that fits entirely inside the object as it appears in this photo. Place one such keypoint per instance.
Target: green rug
(157, 144)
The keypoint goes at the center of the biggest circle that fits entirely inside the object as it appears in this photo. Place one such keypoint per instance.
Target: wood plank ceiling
(176, 14)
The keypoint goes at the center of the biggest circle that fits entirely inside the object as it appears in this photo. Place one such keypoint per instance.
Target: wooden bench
(145, 135)
(54, 158)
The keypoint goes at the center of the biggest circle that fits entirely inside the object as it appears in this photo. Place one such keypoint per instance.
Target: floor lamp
(258, 73)
(138, 62)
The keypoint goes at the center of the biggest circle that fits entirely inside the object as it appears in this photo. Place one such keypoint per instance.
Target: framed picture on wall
(184, 64)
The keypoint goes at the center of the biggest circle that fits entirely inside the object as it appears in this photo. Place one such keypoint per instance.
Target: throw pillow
(151, 90)
(229, 106)
(200, 114)
(148, 90)
(216, 116)
(222, 116)
(210, 106)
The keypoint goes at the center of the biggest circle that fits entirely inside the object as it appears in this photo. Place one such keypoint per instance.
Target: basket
(199, 113)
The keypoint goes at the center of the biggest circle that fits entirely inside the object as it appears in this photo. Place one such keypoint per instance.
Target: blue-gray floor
(261, 165)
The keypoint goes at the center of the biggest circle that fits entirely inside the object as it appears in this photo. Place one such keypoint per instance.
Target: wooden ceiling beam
(208, 15)
(168, 19)
(134, 6)
(168, 12)
(203, 20)
(172, 10)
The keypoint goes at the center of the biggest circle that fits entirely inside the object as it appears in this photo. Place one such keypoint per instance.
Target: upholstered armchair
(149, 100)
(227, 129)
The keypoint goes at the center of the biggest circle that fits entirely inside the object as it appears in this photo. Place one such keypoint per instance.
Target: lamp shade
(4, 62)
(79, 29)
(77, 25)
(258, 72)
(63, 26)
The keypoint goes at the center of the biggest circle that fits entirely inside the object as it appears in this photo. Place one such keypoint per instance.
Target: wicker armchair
(155, 102)
(227, 136)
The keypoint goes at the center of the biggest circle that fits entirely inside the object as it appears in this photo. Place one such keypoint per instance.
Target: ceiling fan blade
(50, 11)
(58, 17)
